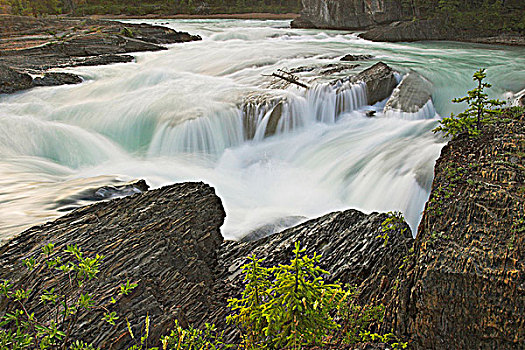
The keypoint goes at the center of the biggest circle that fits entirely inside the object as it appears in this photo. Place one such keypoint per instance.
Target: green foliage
(394, 222)
(195, 339)
(21, 329)
(286, 306)
(481, 110)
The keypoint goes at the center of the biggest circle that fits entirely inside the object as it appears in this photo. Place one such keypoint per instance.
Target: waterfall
(204, 111)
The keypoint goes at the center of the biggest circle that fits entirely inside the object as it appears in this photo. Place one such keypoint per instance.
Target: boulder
(410, 96)
(352, 58)
(166, 240)
(380, 82)
(347, 14)
(410, 31)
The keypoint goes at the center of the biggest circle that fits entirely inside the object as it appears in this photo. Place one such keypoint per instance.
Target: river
(177, 115)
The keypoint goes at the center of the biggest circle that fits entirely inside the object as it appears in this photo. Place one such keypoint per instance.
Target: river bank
(253, 15)
(29, 47)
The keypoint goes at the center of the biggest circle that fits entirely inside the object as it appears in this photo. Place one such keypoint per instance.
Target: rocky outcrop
(35, 45)
(465, 288)
(168, 241)
(54, 79)
(349, 243)
(436, 29)
(165, 240)
(347, 14)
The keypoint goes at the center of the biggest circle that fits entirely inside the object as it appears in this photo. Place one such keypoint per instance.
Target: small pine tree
(481, 110)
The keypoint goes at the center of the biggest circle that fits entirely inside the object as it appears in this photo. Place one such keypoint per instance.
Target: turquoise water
(177, 115)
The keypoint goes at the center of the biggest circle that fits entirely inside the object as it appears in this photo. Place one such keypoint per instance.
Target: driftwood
(289, 77)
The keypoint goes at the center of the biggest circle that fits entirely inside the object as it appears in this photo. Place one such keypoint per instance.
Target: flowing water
(203, 111)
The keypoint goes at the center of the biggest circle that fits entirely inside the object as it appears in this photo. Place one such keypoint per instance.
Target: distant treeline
(481, 15)
(143, 7)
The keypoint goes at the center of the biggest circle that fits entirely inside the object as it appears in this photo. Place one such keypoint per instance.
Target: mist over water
(182, 115)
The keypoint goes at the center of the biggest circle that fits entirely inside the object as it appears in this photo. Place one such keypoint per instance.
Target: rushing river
(177, 115)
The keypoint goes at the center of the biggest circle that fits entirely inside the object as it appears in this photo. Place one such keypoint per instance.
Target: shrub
(24, 330)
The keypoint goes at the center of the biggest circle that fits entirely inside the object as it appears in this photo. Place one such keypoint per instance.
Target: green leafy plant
(481, 110)
(21, 328)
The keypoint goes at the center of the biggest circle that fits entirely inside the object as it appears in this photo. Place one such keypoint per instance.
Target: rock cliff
(465, 288)
(347, 14)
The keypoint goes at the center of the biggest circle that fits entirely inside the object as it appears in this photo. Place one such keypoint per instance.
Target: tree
(481, 111)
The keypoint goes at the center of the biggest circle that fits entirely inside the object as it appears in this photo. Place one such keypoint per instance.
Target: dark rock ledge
(33, 46)
(168, 241)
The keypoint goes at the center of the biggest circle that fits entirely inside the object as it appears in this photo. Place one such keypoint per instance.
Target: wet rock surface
(380, 82)
(412, 93)
(465, 288)
(36, 45)
(347, 14)
(12, 80)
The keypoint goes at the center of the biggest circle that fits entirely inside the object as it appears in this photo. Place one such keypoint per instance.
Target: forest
(481, 15)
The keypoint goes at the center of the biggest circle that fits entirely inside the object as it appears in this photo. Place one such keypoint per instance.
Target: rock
(30, 44)
(351, 58)
(410, 31)
(347, 14)
(349, 244)
(435, 29)
(11, 80)
(380, 82)
(410, 96)
(269, 229)
(54, 79)
(166, 240)
(465, 286)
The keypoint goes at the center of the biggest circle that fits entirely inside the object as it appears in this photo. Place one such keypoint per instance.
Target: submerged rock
(352, 58)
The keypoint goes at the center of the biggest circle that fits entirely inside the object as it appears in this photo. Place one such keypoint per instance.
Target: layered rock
(168, 241)
(165, 240)
(347, 14)
(465, 288)
(30, 45)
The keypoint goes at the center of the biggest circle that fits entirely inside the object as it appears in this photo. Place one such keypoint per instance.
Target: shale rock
(351, 251)
(36, 45)
(12, 80)
(465, 288)
(166, 240)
